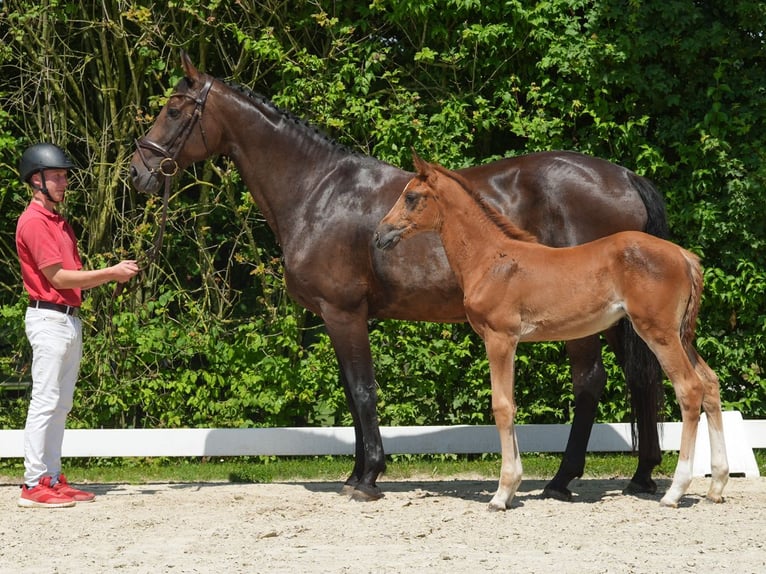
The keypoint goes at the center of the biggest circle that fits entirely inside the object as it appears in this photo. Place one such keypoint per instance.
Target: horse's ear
(189, 70)
(421, 166)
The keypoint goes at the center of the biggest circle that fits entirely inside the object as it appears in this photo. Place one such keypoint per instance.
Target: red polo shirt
(44, 238)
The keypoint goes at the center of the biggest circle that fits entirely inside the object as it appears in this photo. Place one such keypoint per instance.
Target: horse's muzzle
(144, 180)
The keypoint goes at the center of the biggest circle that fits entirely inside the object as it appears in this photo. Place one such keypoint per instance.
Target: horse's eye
(174, 113)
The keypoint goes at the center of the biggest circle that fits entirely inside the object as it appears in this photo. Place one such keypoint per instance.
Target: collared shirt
(44, 238)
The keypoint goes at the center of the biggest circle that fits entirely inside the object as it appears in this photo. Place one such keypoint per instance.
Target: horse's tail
(689, 320)
(643, 372)
(656, 217)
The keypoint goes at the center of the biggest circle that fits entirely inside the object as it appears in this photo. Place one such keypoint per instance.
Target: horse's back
(562, 197)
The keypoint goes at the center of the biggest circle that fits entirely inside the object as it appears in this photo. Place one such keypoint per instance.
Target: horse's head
(415, 211)
(180, 135)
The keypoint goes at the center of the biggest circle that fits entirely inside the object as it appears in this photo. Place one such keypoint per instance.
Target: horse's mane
(287, 115)
(503, 223)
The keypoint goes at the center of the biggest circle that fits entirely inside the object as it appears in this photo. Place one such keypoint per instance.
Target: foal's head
(420, 206)
(415, 211)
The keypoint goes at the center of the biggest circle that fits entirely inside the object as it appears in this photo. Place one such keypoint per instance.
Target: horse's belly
(414, 282)
(438, 304)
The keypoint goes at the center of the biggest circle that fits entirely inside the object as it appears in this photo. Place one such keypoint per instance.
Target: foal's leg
(696, 386)
(711, 404)
(689, 390)
(500, 352)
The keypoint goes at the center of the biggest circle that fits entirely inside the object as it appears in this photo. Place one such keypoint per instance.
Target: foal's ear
(189, 70)
(421, 166)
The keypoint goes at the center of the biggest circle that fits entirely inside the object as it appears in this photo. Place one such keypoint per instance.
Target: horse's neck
(280, 159)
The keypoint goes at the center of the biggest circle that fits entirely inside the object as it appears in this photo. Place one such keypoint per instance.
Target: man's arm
(86, 279)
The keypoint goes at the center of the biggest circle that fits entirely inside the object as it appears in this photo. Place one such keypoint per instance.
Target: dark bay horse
(323, 202)
(515, 289)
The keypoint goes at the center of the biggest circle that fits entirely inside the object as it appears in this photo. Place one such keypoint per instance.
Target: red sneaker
(63, 487)
(43, 496)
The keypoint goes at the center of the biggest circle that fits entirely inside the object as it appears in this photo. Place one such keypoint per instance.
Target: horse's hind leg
(644, 378)
(588, 380)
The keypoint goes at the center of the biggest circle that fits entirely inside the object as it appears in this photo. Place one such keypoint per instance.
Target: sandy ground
(420, 526)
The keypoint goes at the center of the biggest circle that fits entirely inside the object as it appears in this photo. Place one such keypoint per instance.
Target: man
(54, 278)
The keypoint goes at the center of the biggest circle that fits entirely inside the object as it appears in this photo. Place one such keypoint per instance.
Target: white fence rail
(742, 436)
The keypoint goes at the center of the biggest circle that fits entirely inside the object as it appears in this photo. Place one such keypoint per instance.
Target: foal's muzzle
(387, 236)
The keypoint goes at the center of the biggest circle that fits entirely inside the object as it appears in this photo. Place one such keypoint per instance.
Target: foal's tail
(689, 320)
(643, 373)
(711, 395)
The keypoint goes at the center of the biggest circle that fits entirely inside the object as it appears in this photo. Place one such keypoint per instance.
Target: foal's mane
(503, 223)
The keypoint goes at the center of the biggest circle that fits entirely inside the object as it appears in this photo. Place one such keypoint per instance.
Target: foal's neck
(472, 232)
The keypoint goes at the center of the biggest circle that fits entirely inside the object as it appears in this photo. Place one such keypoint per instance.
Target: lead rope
(156, 248)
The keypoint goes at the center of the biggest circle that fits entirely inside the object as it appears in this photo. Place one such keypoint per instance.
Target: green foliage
(165, 371)
(430, 374)
(208, 337)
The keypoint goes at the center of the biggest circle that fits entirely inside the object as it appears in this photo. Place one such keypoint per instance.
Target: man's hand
(124, 270)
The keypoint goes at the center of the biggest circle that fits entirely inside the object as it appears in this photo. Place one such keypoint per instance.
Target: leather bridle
(168, 166)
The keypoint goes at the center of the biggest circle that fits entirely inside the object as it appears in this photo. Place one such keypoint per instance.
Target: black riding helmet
(40, 157)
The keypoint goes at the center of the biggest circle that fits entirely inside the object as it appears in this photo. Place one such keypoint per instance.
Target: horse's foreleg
(358, 471)
(350, 339)
(588, 378)
(500, 352)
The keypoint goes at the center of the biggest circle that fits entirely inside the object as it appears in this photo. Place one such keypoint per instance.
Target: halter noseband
(168, 166)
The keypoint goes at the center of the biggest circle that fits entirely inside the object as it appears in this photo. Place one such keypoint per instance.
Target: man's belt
(54, 307)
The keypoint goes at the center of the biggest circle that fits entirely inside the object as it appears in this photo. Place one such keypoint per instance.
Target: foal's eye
(410, 200)
(173, 113)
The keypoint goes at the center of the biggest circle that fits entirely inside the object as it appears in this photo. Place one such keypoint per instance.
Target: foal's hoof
(716, 498)
(492, 507)
(668, 502)
(363, 493)
(562, 494)
(635, 487)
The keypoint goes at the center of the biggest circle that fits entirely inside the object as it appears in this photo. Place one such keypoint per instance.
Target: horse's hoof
(564, 495)
(366, 493)
(633, 488)
(347, 490)
(496, 507)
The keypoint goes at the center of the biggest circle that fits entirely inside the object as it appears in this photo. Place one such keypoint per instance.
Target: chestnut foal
(516, 289)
